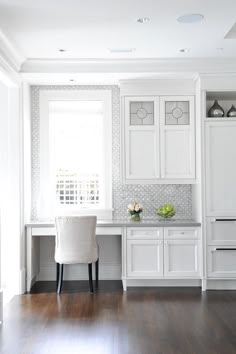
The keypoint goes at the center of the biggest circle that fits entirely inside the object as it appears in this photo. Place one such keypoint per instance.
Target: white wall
(3, 178)
(10, 188)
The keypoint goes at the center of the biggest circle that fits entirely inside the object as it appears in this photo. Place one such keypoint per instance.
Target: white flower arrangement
(135, 208)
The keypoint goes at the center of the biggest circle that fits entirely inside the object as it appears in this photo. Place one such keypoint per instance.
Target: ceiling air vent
(121, 50)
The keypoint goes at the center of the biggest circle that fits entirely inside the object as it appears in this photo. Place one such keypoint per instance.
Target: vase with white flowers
(134, 211)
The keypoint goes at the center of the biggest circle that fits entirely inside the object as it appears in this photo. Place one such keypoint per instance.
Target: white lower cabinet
(221, 250)
(181, 258)
(221, 231)
(145, 258)
(163, 252)
(221, 261)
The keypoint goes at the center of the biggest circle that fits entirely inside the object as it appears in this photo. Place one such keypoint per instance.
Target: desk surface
(125, 222)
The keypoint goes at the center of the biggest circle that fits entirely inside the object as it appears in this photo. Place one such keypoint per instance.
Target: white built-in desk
(146, 238)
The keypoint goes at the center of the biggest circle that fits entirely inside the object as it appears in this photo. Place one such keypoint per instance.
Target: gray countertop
(126, 222)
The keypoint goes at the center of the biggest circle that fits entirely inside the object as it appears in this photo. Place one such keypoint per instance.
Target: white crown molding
(168, 65)
(10, 58)
(92, 78)
(167, 86)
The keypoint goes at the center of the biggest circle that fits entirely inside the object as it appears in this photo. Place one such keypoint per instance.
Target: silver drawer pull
(225, 249)
(226, 220)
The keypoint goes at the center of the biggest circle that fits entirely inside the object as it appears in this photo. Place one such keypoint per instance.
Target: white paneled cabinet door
(181, 258)
(221, 261)
(145, 258)
(177, 134)
(221, 168)
(221, 231)
(141, 139)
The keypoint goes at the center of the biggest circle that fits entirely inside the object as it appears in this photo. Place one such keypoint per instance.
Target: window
(76, 151)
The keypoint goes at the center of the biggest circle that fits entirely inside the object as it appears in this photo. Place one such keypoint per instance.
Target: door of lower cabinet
(182, 258)
(221, 261)
(144, 258)
(221, 231)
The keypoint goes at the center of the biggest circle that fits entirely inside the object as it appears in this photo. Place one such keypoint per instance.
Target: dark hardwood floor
(141, 321)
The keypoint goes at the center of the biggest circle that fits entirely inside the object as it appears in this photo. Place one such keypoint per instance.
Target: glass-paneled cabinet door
(177, 134)
(141, 139)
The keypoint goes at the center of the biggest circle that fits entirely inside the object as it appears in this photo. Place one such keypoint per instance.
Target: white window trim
(83, 95)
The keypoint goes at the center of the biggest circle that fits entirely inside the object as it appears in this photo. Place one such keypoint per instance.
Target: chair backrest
(76, 239)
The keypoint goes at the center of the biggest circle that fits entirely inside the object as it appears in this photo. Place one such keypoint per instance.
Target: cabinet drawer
(221, 231)
(222, 262)
(144, 233)
(181, 233)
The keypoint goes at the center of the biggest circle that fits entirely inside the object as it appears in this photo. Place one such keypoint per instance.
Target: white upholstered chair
(76, 243)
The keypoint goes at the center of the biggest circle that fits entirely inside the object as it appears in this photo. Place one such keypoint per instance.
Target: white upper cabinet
(220, 168)
(158, 139)
(177, 136)
(141, 143)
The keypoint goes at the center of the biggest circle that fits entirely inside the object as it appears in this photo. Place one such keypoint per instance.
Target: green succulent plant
(166, 211)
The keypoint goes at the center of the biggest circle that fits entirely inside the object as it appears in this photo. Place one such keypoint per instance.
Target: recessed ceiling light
(184, 50)
(190, 18)
(72, 80)
(121, 50)
(61, 50)
(143, 20)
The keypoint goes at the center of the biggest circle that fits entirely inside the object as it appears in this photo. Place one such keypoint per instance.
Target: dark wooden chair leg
(60, 279)
(57, 278)
(97, 271)
(90, 271)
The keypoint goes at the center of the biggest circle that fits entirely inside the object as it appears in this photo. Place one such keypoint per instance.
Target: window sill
(100, 213)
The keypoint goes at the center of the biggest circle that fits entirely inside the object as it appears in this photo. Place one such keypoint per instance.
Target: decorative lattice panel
(141, 113)
(177, 113)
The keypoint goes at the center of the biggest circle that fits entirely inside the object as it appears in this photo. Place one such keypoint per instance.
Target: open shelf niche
(225, 100)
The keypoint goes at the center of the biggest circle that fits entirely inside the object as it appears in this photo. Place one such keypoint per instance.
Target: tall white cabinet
(158, 139)
(219, 184)
(221, 167)
(220, 137)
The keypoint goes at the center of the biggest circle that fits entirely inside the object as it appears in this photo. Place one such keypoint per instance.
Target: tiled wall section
(150, 196)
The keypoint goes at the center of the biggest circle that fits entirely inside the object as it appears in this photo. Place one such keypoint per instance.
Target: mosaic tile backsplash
(151, 196)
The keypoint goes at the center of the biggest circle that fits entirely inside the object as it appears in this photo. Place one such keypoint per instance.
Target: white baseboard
(31, 282)
(163, 282)
(219, 284)
(107, 271)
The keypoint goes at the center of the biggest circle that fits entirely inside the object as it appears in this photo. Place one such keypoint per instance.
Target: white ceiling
(32, 32)
(86, 29)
